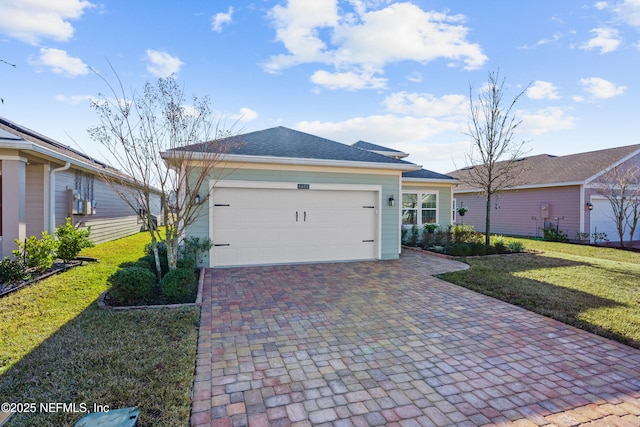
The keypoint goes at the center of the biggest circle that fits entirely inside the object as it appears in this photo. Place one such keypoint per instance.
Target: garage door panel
(261, 226)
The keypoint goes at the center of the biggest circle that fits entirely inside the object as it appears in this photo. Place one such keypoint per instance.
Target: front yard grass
(57, 346)
(593, 288)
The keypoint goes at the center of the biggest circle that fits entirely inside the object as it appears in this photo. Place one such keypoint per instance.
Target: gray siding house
(288, 196)
(553, 191)
(43, 182)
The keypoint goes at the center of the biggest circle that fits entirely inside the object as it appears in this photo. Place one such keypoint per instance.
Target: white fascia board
(524, 187)
(619, 162)
(233, 158)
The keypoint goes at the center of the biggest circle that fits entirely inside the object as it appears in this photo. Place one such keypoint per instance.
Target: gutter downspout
(52, 196)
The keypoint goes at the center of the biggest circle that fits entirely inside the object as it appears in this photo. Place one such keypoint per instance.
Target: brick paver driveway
(384, 343)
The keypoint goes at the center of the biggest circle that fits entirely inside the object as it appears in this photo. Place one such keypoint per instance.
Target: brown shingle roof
(545, 170)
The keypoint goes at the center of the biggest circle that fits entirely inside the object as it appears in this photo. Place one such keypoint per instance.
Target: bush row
(135, 283)
(34, 255)
(459, 240)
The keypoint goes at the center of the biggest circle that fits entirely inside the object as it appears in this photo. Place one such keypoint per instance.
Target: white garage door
(252, 226)
(602, 221)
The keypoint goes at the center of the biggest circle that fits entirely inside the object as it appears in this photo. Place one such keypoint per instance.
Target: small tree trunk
(172, 253)
(156, 256)
(487, 223)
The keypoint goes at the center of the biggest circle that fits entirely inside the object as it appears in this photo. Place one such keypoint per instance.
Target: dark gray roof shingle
(289, 143)
(374, 147)
(426, 174)
(545, 169)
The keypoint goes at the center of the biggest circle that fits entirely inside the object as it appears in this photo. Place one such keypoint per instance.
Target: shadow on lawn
(138, 358)
(495, 277)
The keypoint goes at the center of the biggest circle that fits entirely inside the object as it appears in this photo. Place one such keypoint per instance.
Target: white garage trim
(308, 188)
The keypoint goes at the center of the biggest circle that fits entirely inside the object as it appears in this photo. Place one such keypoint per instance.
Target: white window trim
(419, 207)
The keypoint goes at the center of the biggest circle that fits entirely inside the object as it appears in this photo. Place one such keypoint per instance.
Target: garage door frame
(307, 186)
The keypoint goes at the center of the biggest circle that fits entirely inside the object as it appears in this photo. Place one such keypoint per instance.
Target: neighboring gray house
(553, 191)
(289, 196)
(42, 182)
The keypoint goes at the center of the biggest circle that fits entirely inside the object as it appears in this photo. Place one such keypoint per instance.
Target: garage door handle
(222, 244)
(296, 216)
(305, 216)
(368, 241)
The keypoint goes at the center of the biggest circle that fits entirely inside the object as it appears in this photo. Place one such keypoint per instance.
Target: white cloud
(427, 105)
(542, 90)
(350, 80)
(74, 99)
(629, 12)
(220, 19)
(61, 63)
(357, 43)
(549, 119)
(606, 39)
(245, 115)
(161, 64)
(601, 88)
(33, 20)
(380, 129)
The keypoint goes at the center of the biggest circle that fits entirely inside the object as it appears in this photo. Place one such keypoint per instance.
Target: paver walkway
(384, 343)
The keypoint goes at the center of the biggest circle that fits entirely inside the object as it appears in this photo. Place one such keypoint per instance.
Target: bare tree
(620, 186)
(138, 129)
(491, 160)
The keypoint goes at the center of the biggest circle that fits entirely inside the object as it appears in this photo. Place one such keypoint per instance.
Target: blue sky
(388, 72)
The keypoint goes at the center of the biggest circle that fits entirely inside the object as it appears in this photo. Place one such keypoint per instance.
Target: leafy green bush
(194, 248)
(178, 284)
(71, 241)
(131, 285)
(499, 244)
(37, 254)
(12, 271)
(515, 246)
(465, 234)
(553, 235)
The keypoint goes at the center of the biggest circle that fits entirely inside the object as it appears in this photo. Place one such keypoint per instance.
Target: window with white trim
(420, 208)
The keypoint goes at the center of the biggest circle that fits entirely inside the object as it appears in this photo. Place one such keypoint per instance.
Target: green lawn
(593, 288)
(56, 345)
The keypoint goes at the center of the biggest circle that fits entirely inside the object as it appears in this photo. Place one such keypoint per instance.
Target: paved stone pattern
(384, 343)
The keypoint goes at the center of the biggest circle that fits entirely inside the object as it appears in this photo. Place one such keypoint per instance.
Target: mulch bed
(56, 268)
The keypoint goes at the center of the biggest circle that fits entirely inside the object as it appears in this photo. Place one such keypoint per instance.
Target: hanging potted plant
(462, 210)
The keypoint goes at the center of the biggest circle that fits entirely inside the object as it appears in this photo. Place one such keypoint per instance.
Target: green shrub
(515, 246)
(195, 248)
(12, 271)
(131, 285)
(499, 244)
(142, 263)
(553, 235)
(71, 241)
(178, 284)
(465, 234)
(37, 254)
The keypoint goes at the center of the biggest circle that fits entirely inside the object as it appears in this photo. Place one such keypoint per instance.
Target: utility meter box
(544, 210)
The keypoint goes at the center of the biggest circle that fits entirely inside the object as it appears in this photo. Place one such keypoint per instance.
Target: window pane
(428, 217)
(409, 200)
(409, 216)
(429, 201)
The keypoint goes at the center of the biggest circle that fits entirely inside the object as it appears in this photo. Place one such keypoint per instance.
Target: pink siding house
(553, 192)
